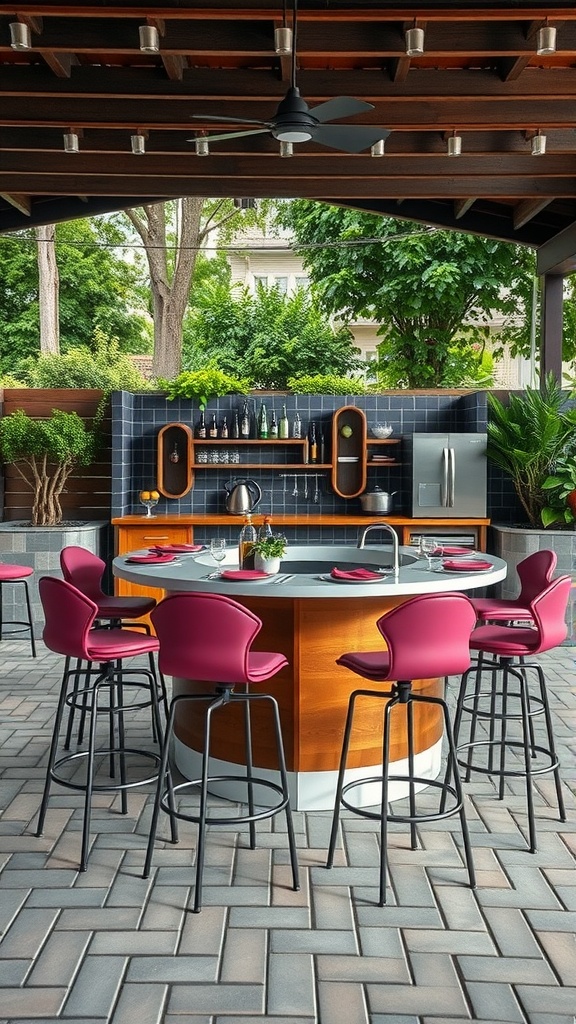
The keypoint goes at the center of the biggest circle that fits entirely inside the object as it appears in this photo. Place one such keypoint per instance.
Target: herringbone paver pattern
(109, 946)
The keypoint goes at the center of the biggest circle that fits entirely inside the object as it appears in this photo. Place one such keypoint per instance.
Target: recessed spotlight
(454, 145)
(202, 147)
(149, 39)
(71, 142)
(546, 40)
(538, 147)
(138, 144)
(414, 42)
(286, 149)
(378, 148)
(20, 36)
(283, 41)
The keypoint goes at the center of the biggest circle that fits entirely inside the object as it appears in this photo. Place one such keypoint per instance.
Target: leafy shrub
(327, 384)
(105, 368)
(202, 385)
(49, 449)
(8, 381)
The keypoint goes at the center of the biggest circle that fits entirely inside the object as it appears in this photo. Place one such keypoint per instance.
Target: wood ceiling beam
(286, 186)
(19, 202)
(527, 210)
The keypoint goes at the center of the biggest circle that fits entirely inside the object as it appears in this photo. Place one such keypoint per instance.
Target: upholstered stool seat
(16, 575)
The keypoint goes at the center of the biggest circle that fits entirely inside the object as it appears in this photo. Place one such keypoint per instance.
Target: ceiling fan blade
(231, 135)
(352, 138)
(340, 106)
(229, 120)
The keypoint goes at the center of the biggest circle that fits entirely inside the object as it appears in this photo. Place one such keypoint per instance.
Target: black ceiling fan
(294, 121)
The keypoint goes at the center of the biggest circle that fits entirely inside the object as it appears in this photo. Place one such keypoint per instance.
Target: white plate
(334, 579)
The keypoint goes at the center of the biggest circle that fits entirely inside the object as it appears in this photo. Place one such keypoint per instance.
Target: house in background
(271, 262)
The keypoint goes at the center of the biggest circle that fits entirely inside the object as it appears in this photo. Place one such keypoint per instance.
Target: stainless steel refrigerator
(448, 475)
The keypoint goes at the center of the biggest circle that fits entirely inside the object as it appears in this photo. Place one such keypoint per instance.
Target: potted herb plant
(268, 552)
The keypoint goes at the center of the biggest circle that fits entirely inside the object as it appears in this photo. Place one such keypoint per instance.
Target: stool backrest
(83, 570)
(535, 573)
(428, 636)
(205, 637)
(68, 616)
(549, 614)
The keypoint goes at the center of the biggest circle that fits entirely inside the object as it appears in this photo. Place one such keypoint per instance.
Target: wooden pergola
(78, 70)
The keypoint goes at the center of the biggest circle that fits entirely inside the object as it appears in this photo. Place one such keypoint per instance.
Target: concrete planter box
(39, 547)
(515, 543)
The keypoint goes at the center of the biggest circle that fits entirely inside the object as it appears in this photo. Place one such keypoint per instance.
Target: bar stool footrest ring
(404, 818)
(98, 787)
(238, 819)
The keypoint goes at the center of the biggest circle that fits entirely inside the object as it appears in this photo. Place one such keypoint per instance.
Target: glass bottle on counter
(201, 428)
(213, 431)
(236, 426)
(313, 443)
(245, 423)
(297, 426)
(246, 544)
(265, 530)
(273, 426)
(283, 426)
(263, 424)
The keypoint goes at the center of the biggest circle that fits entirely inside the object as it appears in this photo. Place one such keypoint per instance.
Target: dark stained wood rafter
(479, 76)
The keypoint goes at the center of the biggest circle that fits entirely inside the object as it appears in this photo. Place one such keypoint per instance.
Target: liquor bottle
(297, 426)
(224, 428)
(283, 426)
(213, 431)
(263, 424)
(201, 429)
(273, 426)
(245, 423)
(246, 544)
(322, 447)
(313, 443)
(265, 531)
(236, 426)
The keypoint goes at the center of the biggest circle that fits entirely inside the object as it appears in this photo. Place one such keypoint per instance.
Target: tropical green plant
(44, 453)
(560, 486)
(271, 547)
(202, 385)
(527, 437)
(327, 384)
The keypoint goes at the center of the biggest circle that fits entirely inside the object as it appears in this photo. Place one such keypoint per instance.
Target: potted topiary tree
(45, 452)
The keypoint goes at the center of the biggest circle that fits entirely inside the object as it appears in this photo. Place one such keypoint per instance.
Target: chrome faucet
(395, 546)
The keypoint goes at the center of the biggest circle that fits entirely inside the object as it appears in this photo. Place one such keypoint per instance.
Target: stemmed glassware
(149, 499)
(428, 548)
(218, 551)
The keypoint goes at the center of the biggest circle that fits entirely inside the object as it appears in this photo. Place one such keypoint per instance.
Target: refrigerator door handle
(452, 477)
(445, 477)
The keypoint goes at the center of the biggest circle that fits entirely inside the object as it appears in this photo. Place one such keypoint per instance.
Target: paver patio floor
(109, 946)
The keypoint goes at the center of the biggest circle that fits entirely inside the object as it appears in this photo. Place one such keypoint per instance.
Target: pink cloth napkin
(466, 566)
(452, 551)
(151, 559)
(355, 574)
(165, 549)
(244, 574)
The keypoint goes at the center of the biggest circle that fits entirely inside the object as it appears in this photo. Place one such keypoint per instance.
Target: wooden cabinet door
(134, 538)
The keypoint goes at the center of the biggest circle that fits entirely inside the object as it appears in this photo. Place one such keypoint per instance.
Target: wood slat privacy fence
(88, 491)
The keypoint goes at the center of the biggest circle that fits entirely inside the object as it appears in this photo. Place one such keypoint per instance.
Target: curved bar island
(312, 620)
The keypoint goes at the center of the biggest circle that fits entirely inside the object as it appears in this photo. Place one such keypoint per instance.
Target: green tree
(268, 337)
(99, 289)
(432, 292)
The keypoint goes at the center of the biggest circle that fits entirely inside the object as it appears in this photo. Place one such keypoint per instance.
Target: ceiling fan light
(202, 147)
(538, 147)
(546, 40)
(286, 149)
(71, 142)
(283, 41)
(149, 39)
(293, 135)
(138, 144)
(414, 42)
(20, 36)
(454, 145)
(378, 148)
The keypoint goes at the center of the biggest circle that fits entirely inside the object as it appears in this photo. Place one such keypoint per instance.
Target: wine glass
(428, 548)
(149, 499)
(218, 551)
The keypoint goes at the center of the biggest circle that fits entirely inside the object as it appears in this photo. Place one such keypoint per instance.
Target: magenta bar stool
(209, 637)
(69, 618)
(506, 699)
(17, 575)
(426, 637)
(534, 572)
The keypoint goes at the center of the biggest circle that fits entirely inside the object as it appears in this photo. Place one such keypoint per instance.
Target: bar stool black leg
(53, 749)
(340, 780)
(384, 801)
(249, 771)
(204, 800)
(551, 743)
(30, 621)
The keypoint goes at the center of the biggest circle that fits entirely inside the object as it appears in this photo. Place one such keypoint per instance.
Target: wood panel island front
(311, 620)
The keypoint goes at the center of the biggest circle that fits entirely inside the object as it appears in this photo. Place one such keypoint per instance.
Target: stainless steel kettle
(242, 495)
